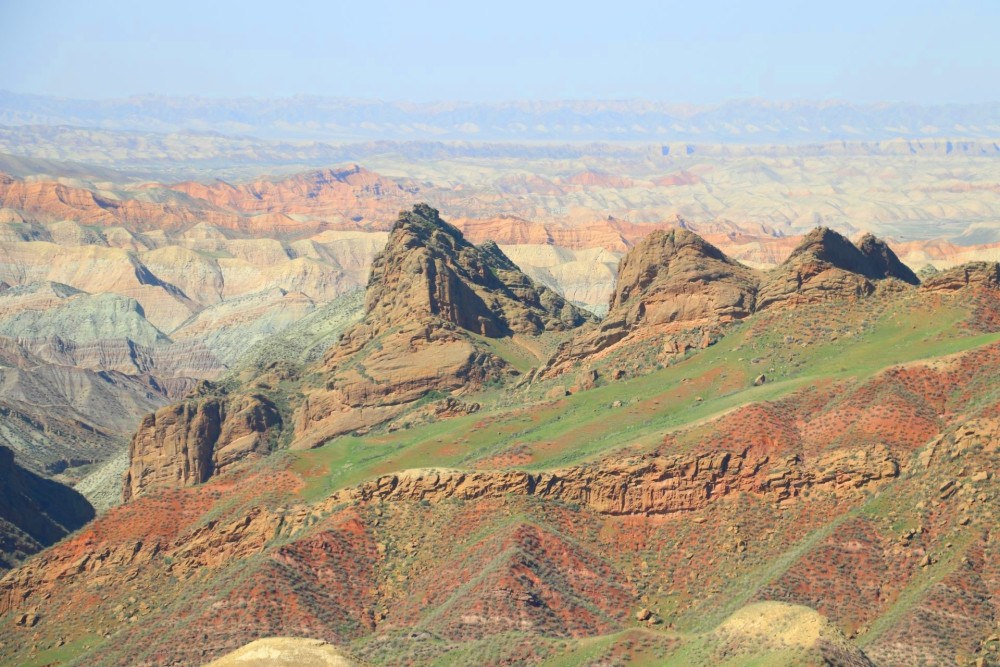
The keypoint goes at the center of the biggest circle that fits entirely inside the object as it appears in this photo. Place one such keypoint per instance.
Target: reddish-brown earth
(190, 574)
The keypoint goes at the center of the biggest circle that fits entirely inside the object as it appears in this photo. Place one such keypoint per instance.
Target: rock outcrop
(973, 274)
(34, 512)
(653, 484)
(186, 443)
(670, 282)
(827, 265)
(430, 294)
(883, 262)
(678, 288)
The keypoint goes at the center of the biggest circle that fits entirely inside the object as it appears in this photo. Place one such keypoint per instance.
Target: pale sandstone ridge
(285, 652)
(650, 484)
(582, 276)
(827, 265)
(428, 291)
(757, 630)
(186, 443)
(671, 281)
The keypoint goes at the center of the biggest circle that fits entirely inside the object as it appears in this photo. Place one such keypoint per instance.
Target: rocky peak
(670, 284)
(883, 261)
(871, 258)
(428, 290)
(665, 260)
(429, 269)
(827, 246)
(826, 264)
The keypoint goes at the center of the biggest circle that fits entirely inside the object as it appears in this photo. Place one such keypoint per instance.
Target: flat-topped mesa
(827, 265)
(670, 282)
(429, 270)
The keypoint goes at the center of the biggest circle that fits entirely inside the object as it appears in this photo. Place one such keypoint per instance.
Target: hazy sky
(691, 51)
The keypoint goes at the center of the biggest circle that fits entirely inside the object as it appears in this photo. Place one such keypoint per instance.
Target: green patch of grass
(590, 650)
(62, 655)
(583, 426)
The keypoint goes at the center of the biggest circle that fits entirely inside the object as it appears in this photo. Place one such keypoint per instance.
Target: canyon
(497, 404)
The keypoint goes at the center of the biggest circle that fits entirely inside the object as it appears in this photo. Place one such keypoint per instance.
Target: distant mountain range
(338, 119)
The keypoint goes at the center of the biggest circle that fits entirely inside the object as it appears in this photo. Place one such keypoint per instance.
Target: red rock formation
(52, 201)
(330, 193)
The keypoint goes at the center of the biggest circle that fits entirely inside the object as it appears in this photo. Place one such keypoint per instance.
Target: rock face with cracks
(973, 274)
(188, 442)
(679, 289)
(671, 281)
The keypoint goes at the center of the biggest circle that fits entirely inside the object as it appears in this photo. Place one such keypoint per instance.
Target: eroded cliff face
(430, 295)
(429, 270)
(651, 484)
(680, 290)
(186, 443)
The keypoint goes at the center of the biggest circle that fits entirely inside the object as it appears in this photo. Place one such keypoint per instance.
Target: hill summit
(429, 270)
(676, 289)
(672, 281)
(430, 294)
(825, 264)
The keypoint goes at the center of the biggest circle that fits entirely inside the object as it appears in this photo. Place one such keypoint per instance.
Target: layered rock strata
(653, 484)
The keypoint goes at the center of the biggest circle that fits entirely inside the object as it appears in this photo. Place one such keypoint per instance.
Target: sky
(696, 51)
